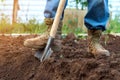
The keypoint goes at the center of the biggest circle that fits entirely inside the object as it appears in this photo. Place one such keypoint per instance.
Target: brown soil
(73, 62)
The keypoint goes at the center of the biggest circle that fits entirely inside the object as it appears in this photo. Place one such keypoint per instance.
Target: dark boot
(94, 45)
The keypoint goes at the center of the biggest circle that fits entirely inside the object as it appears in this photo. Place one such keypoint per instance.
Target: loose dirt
(73, 62)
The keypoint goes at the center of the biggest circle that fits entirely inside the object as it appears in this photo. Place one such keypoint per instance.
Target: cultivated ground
(73, 62)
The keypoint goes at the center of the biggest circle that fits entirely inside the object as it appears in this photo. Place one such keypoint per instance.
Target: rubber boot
(94, 46)
(40, 41)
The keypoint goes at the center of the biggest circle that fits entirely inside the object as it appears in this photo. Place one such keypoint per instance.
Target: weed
(114, 25)
(33, 26)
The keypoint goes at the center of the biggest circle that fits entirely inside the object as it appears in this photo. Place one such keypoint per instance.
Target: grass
(33, 26)
(114, 26)
(77, 30)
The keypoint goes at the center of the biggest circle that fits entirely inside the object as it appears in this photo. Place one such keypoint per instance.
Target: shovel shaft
(47, 52)
(57, 18)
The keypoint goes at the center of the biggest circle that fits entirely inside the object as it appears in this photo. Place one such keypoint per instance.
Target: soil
(73, 62)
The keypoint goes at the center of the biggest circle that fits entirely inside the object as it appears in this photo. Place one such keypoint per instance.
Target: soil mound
(73, 62)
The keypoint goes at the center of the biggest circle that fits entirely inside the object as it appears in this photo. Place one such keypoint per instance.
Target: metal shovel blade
(48, 51)
(38, 54)
(48, 54)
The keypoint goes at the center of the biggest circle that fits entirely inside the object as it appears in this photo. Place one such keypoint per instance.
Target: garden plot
(73, 62)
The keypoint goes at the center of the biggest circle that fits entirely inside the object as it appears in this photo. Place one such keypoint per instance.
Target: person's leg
(49, 14)
(51, 8)
(97, 15)
(95, 21)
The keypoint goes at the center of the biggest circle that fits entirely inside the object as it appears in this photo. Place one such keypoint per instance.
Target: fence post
(15, 10)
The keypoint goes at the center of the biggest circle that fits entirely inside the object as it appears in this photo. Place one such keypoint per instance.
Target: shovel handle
(57, 18)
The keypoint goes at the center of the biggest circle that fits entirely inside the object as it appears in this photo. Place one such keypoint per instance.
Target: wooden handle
(57, 18)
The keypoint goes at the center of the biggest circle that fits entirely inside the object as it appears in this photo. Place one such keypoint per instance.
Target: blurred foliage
(5, 24)
(2, 0)
(66, 30)
(33, 26)
(82, 2)
(114, 25)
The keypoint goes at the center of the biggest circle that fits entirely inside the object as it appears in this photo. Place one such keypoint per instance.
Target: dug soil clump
(73, 62)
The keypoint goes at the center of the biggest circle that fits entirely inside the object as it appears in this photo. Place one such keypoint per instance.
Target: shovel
(43, 55)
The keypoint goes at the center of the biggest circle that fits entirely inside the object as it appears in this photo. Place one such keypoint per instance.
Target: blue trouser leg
(98, 14)
(51, 8)
(96, 17)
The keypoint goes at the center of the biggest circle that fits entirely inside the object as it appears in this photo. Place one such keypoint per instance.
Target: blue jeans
(96, 17)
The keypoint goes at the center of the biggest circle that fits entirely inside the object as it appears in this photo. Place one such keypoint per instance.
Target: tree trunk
(15, 10)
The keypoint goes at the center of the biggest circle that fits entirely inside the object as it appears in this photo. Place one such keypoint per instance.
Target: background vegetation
(33, 26)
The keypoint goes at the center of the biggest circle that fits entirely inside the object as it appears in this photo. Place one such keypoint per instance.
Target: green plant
(32, 26)
(114, 25)
(2, 0)
(76, 30)
(5, 25)
(82, 2)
